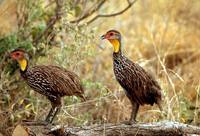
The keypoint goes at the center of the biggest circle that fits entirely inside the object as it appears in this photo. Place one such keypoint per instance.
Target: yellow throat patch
(23, 64)
(116, 45)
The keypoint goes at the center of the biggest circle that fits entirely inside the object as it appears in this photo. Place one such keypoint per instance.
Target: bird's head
(114, 37)
(21, 57)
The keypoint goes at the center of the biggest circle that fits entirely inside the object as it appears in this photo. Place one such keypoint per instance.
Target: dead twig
(52, 21)
(113, 14)
(90, 12)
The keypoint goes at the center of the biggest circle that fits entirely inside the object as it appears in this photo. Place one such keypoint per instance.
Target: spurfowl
(140, 87)
(51, 81)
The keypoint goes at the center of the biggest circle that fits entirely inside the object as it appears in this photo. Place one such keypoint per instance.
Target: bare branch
(51, 22)
(128, 2)
(113, 14)
(89, 13)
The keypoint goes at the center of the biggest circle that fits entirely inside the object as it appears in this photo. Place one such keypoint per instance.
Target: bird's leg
(56, 105)
(52, 115)
(49, 115)
(132, 120)
(135, 108)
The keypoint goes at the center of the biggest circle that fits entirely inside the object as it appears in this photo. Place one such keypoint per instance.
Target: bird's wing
(40, 79)
(140, 84)
(59, 80)
(68, 81)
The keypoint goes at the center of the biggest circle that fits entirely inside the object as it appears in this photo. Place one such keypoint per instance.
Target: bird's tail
(83, 98)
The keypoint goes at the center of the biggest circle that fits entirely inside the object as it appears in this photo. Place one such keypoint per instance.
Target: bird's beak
(103, 37)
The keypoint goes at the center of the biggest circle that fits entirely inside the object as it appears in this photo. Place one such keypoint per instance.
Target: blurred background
(162, 36)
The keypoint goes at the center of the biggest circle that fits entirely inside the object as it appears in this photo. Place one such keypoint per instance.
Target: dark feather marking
(53, 81)
(139, 86)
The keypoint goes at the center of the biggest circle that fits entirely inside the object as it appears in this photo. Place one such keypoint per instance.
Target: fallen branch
(165, 128)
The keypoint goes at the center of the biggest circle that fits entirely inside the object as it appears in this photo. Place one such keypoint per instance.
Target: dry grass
(163, 37)
(162, 40)
(8, 16)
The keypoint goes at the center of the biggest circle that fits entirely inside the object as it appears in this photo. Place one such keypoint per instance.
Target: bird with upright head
(139, 86)
(51, 81)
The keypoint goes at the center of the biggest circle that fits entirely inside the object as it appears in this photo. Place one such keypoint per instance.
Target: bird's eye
(17, 54)
(111, 34)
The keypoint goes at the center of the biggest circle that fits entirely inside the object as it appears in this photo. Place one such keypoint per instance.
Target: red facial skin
(108, 35)
(17, 55)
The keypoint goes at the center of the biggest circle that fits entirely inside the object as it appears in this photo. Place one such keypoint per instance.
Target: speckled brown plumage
(140, 87)
(51, 81)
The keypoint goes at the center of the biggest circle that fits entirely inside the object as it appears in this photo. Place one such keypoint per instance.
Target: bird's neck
(23, 63)
(116, 45)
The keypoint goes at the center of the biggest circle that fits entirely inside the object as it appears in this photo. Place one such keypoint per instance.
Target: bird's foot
(129, 122)
(35, 123)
